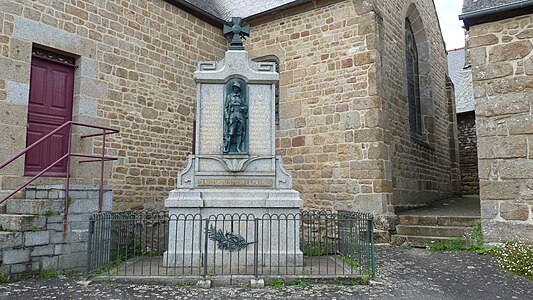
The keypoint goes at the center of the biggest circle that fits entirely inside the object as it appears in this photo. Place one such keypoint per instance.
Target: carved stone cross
(236, 32)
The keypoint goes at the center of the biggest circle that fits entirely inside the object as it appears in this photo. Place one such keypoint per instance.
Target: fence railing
(68, 126)
(311, 243)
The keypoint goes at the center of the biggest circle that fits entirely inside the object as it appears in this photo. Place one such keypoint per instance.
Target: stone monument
(234, 170)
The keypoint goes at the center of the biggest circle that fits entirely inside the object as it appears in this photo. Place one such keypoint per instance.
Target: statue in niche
(235, 120)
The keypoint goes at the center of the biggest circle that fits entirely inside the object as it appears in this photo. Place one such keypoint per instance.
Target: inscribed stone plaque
(261, 120)
(236, 182)
(210, 118)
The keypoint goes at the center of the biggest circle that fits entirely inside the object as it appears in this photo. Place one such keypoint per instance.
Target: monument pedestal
(266, 218)
(239, 212)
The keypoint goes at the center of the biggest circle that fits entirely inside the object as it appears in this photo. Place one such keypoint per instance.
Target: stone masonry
(502, 66)
(344, 121)
(135, 63)
(466, 124)
(343, 128)
(32, 235)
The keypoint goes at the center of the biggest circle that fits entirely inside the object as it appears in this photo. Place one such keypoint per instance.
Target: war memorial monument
(234, 173)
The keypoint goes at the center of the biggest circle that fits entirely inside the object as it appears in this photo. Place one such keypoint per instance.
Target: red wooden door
(50, 106)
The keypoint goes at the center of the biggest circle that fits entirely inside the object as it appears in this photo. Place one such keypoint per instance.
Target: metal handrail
(96, 158)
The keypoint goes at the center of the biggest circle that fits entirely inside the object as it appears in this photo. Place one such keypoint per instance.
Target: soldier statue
(235, 115)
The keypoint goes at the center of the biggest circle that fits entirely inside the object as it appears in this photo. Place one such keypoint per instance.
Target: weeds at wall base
(514, 257)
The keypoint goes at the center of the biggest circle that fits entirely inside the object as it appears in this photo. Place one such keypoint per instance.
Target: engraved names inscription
(261, 120)
(210, 125)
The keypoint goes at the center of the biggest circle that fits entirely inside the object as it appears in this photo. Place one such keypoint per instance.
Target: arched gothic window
(413, 84)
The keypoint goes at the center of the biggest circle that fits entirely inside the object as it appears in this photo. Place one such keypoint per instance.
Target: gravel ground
(402, 274)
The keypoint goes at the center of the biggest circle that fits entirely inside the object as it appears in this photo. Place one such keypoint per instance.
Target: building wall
(424, 168)
(466, 123)
(344, 130)
(502, 67)
(330, 131)
(135, 63)
(343, 127)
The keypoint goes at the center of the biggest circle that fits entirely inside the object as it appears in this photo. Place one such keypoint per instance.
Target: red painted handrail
(96, 158)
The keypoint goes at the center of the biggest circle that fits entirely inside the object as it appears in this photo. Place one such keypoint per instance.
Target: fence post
(371, 241)
(206, 237)
(256, 247)
(90, 246)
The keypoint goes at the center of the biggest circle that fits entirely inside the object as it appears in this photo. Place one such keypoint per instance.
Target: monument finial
(236, 32)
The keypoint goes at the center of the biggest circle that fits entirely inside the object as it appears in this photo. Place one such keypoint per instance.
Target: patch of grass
(515, 257)
(473, 242)
(351, 261)
(4, 278)
(363, 280)
(184, 283)
(70, 200)
(45, 274)
(111, 267)
(277, 282)
(48, 213)
(299, 282)
(34, 228)
(453, 245)
(406, 246)
(317, 249)
(336, 281)
(476, 239)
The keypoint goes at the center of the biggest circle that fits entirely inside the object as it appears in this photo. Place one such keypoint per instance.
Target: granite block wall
(501, 56)
(44, 243)
(135, 62)
(424, 166)
(466, 123)
(343, 128)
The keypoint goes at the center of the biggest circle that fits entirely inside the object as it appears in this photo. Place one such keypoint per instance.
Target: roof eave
(276, 9)
(496, 13)
(198, 12)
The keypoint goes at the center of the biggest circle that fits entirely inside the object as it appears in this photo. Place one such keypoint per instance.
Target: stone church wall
(466, 124)
(502, 66)
(343, 127)
(135, 62)
(331, 130)
(424, 168)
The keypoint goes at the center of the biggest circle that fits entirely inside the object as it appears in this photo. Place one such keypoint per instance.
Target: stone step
(34, 206)
(22, 222)
(9, 239)
(419, 241)
(463, 221)
(4, 193)
(441, 231)
(8, 182)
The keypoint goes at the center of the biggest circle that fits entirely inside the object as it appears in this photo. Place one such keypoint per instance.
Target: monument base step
(233, 260)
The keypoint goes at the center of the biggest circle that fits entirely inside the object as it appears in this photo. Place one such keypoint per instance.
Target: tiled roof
(225, 9)
(462, 81)
(470, 6)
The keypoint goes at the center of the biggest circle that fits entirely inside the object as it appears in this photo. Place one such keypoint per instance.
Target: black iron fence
(311, 243)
